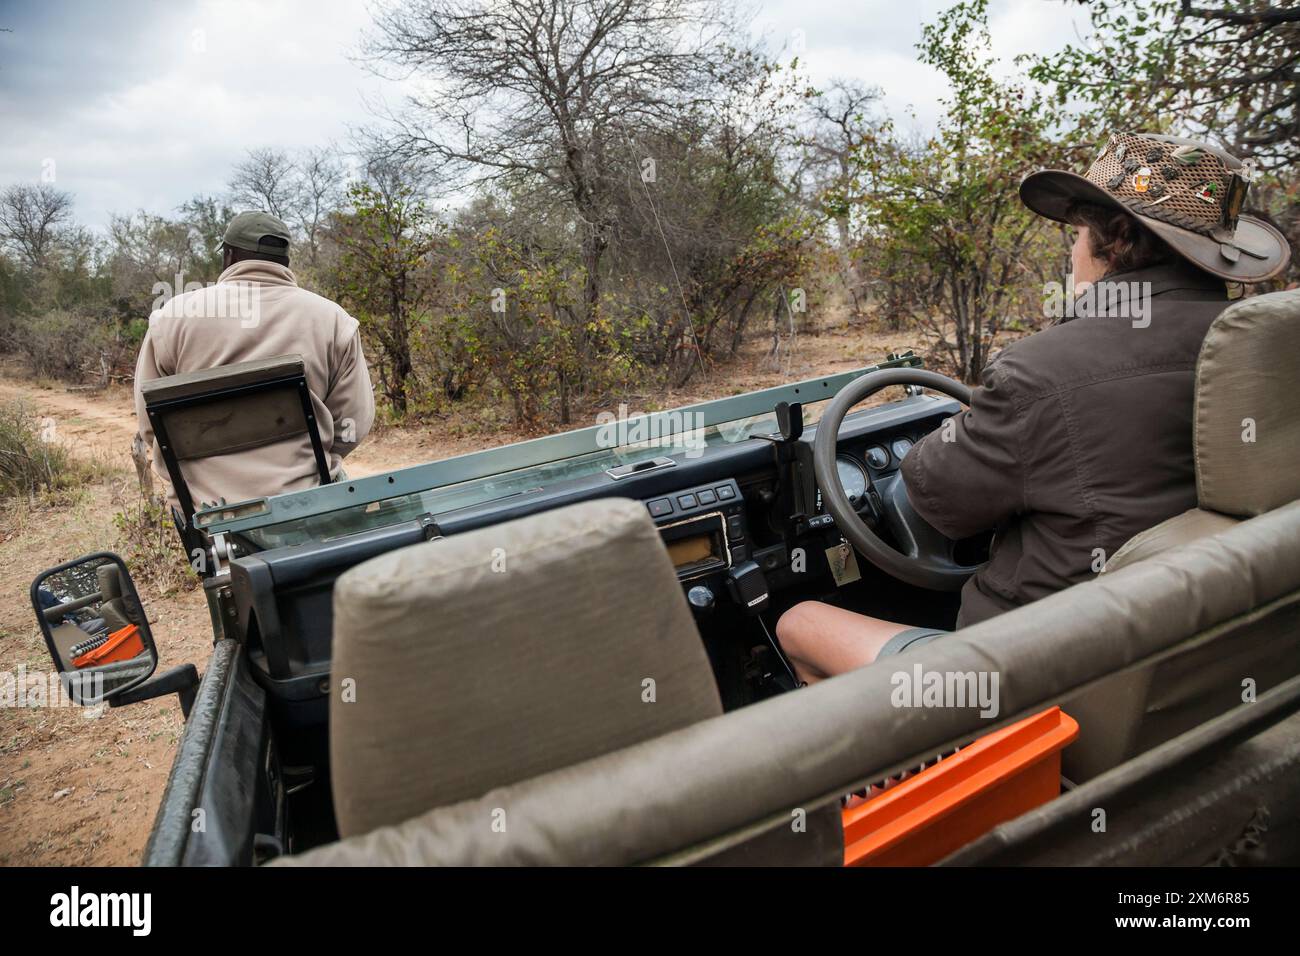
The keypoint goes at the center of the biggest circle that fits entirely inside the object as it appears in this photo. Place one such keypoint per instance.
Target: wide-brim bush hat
(1186, 192)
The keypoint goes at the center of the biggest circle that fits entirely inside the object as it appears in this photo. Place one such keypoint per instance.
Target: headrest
(110, 584)
(1248, 407)
(489, 657)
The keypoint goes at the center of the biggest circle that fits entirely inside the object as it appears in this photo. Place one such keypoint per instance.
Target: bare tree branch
(32, 217)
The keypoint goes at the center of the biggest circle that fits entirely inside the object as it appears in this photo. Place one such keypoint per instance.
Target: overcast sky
(141, 105)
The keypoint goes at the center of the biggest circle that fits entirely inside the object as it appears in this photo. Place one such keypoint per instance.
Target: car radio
(703, 528)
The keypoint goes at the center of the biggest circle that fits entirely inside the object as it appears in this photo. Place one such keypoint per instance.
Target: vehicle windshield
(447, 498)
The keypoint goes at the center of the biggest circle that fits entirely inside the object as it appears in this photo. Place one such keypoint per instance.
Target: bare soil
(79, 788)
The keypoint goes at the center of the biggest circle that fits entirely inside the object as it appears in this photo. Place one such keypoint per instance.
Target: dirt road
(97, 425)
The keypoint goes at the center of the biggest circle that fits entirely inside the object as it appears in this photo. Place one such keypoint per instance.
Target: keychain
(843, 562)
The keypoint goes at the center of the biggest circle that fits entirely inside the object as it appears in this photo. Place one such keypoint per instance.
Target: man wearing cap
(1080, 436)
(257, 310)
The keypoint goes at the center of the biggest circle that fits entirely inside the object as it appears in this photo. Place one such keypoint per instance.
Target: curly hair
(1116, 238)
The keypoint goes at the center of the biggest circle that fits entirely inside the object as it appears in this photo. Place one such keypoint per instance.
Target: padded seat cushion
(1176, 531)
(493, 656)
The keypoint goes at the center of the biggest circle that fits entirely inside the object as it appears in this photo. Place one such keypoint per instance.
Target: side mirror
(94, 627)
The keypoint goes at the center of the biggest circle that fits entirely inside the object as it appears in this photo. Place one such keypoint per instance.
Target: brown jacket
(256, 310)
(1079, 438)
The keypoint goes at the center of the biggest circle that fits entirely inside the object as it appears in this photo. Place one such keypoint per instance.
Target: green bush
(147, 539)
(31, 462)
(514, 320)
(68, 346)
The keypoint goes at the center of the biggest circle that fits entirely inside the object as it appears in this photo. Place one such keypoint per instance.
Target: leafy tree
(945, 229)
(839, 122)
(1229, 73)
(384, 241)
(710, 234)
(517, 305)
(207, 218)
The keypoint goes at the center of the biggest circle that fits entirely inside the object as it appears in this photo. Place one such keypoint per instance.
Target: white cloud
(875, 42)
(145, 105)
(218, 80)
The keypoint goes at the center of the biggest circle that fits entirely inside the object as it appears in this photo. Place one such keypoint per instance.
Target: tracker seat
(227, 409)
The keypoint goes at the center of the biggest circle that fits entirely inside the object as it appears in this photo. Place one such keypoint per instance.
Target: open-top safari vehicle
(561, 651)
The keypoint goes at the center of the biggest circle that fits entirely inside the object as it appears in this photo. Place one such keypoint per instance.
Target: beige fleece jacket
(256, 310)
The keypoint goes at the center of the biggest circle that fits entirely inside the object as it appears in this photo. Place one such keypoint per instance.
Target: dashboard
(735, 537)
(717, 512)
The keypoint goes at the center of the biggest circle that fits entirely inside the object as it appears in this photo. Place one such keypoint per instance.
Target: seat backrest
(1247, 418)
(1246, 431)
(686, 796)
(489, 657)
(227, 409)
(113, 605)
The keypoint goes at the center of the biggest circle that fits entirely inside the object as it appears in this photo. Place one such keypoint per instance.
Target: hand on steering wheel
(926, 558)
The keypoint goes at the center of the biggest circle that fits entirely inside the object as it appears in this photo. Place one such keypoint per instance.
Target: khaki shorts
(912, 637)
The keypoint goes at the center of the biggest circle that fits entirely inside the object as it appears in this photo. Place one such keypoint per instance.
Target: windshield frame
(278, 509)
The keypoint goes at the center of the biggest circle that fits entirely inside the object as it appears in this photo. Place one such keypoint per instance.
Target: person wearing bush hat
(1079, 436)
(1188, 194)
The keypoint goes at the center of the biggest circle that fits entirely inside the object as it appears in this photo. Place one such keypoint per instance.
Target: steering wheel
(926, 558)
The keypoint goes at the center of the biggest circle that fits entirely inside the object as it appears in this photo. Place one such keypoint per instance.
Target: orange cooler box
(946, 806)
(122, 645)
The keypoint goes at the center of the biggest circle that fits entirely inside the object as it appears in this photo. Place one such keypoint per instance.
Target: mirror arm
(182, 681)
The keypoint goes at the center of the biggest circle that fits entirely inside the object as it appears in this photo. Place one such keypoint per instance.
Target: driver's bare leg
(822, 640)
